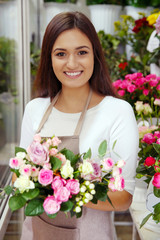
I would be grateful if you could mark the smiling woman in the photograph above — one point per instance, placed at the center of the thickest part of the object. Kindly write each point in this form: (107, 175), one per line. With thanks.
(76, 102)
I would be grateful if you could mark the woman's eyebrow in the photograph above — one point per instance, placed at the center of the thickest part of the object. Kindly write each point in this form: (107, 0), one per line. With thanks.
(63, 49)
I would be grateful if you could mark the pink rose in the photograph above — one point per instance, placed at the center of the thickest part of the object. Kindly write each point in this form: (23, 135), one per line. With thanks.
(34, 172)
(107, 164)
(119, 183)
(73, 186)
(131, 88)
(124, 84)
(61, 194)
(140, 81)
(117, 83)
(158, 141)
(121, 93)
(111, 185)
(149, 161)
(116, 171)
(25, 170)
(158, 87)
(53, 151)
(45, 177)
(97, 172)
(157, 102)
(37, 138)
(156, 134)
(38, 153)
(15, 163)
(156, 180)
(149, 138)
(56, 141)
(153, 82)
(58, 182)
(62, 158)
(51, 205)
(145, 92)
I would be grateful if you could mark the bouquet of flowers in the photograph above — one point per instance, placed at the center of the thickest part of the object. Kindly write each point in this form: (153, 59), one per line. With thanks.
(149, 165)
(49, 180)
(142, 93)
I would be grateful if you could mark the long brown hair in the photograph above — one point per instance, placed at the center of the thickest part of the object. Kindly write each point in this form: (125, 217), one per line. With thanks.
(46, 83)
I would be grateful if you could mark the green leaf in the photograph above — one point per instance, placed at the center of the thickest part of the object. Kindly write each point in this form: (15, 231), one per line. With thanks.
(52, 215)
(145, 219)
(8, 190)
(88, 154)
(19, 149)
(16, 202)
(32, 193)
(34, 207)
(156, 192)
(102, 148)
(70, 156)
(56, 163)
(101, 192)
(114, 144)
(66, 206)
(157, 147)
(157, 208)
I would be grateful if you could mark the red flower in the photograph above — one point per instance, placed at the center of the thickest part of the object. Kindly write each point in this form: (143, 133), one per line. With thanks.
(140, 23)
(123, 65)
(150, 161)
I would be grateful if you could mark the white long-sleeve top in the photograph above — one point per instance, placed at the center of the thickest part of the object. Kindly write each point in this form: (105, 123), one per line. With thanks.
(112, 119)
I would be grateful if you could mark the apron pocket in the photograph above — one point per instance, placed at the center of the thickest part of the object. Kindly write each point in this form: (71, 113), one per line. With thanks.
(43, 230)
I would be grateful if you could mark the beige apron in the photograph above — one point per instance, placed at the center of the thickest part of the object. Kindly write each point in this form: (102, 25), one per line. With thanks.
(93, 224)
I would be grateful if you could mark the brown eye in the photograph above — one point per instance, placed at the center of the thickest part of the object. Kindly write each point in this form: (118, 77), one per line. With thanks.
(60, 54)
(82, 53)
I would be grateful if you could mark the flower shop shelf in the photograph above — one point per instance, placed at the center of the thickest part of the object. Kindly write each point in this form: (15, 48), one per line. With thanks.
(137, 216)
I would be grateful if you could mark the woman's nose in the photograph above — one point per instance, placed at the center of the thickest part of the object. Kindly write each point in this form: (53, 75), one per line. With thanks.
(72, 62)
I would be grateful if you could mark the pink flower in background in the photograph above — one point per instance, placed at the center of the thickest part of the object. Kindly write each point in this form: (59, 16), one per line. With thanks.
(158, 87)
(121, 93)
(117, 83)
(15, 162)
(131, 88)
(73, 186)
(156, 134)
(62, 194)
(145, 92)
(156, 180)
(157, 101)
(157, 25)
(38, 153)
(158, 141)
(51, 205)
(140, 81)
(149, 161)
(153, 82)
(124, 84)
(58, 182)
(45, 177)
(149, 138)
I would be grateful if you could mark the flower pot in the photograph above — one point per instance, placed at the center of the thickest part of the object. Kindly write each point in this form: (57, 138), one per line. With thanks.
(103, 16)
(133, 11)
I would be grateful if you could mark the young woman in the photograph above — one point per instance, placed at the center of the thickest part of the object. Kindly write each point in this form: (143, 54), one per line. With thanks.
(76, 102)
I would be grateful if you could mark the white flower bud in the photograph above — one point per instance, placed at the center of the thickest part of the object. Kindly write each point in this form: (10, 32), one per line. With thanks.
(77, 209)
(93, 192)
(83, 189)
(86, 183)
(80, 203)
(91, 186)
(86, 200)
(77, 199)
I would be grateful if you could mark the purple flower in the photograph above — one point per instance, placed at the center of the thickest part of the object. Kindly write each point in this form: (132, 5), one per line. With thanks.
(157, 25)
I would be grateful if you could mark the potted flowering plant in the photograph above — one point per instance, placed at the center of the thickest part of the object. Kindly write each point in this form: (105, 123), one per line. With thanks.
(48, 177)
(149, 166)
(142, 92)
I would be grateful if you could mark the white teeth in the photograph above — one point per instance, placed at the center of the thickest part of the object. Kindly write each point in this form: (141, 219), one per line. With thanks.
(72, 73)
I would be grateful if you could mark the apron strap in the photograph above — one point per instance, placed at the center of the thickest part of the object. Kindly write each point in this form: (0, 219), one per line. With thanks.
(81, 119)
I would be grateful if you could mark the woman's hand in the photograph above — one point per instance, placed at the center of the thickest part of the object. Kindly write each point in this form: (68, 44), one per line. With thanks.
(121, 200)
(14, 177)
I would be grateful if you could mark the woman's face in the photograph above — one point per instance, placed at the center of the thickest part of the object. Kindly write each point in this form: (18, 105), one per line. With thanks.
(73, 58)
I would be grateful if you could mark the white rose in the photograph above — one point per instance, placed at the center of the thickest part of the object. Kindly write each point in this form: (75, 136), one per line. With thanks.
(121, 163)
(86, 168)
(139, 106)
(77, 209)
(67, 170)
(23, 183)
(147, 109)
(21, 155)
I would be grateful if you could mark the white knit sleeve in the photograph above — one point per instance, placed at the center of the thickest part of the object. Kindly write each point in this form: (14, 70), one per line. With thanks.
(125, 132)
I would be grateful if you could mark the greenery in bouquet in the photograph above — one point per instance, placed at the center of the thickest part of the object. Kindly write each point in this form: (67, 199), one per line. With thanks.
(143, 93)
(149, 164)
(136, 33)
(49, 180)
